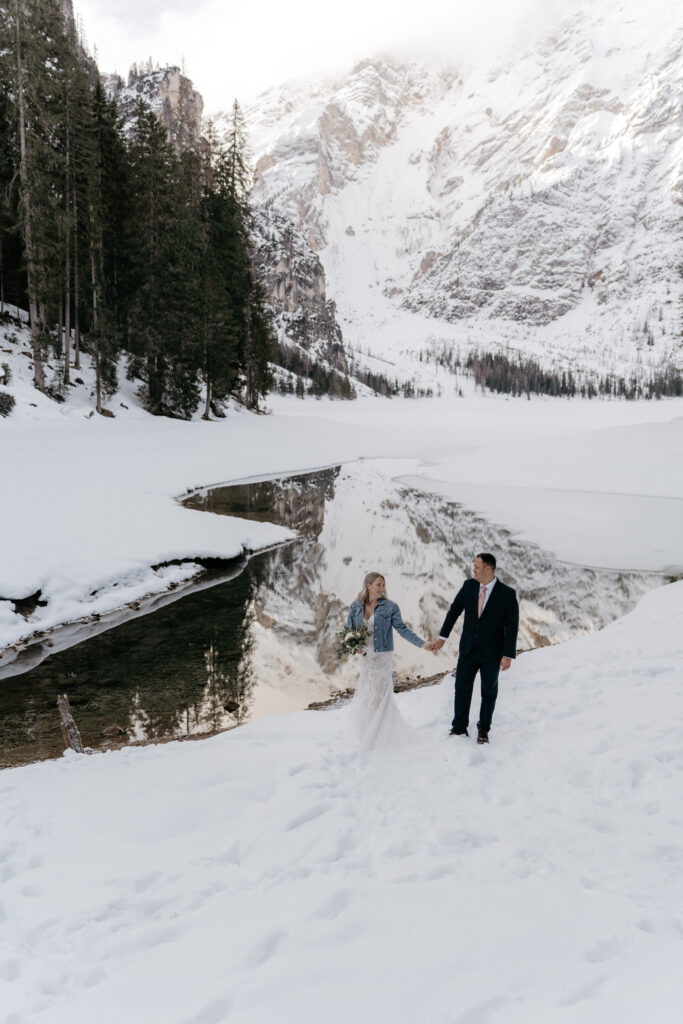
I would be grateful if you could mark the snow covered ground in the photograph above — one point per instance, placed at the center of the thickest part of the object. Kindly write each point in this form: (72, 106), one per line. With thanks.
(270, 874)
(90, 508)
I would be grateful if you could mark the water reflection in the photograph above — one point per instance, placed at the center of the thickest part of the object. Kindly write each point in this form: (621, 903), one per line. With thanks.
(165, 675)
(187, 669)
(297, 502)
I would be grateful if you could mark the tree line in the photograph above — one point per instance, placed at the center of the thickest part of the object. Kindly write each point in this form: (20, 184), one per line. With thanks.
(524, 376)
(115, 241)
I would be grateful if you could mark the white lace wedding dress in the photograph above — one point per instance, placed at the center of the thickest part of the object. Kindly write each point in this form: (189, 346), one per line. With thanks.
(375, 723)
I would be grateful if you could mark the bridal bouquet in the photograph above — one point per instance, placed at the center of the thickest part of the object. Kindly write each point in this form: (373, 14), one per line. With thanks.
(351, 641)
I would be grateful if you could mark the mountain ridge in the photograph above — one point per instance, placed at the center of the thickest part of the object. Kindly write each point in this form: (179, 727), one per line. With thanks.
(532, 204)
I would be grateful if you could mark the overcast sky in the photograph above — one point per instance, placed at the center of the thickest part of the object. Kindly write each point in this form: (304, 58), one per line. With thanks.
(239, 48)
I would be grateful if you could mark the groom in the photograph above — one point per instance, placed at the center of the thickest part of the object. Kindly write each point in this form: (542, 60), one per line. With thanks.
(487, 645)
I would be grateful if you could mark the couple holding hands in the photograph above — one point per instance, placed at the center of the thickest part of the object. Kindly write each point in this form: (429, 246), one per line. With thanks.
(487, 645)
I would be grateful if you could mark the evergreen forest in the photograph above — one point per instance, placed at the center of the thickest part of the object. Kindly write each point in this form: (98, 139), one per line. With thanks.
(118, 242)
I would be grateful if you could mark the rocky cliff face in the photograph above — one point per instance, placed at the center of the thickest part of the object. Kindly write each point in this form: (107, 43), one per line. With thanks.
(170, 94)
(534, 201)
(294, 280)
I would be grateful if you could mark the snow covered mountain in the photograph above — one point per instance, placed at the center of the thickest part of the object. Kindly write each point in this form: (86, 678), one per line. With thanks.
(531, 202)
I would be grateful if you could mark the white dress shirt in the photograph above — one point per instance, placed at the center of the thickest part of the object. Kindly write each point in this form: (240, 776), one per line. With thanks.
(488, 587)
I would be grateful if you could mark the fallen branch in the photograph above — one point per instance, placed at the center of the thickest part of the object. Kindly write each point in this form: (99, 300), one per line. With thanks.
(70, 733)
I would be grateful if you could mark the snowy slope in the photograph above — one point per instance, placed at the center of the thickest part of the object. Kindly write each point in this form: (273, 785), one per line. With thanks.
(532, 201)
(270, 874)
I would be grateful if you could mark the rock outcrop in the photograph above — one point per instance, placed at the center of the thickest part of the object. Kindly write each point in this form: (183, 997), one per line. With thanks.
(294, 280)
(170, 94)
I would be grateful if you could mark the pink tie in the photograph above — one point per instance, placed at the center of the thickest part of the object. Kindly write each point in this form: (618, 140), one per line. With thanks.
(482, 595)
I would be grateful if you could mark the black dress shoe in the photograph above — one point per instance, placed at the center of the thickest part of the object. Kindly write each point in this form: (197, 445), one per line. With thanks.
(482, 735)
(454, 733)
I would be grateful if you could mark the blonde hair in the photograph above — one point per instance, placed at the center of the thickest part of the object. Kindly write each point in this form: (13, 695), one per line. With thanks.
(364, 596)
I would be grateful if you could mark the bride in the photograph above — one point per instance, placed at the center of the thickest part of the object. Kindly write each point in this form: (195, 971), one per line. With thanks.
(375, 721)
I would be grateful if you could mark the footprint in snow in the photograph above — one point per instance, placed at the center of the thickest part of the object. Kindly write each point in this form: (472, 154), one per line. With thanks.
(145, 882)
(579, 995)
(214, 1012)
(483, 1013)
(333, 907)
(309, 815)
(266, 949)
(602, 951)
(54, 986)
(10, 970)
(93, 978)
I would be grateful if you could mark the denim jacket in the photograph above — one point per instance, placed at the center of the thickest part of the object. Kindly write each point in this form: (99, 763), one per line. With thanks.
(387, 615)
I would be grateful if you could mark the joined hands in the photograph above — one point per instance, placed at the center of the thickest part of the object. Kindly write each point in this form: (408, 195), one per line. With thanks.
(434, 645)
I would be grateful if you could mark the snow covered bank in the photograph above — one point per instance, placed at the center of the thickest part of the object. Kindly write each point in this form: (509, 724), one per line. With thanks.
(270, 874)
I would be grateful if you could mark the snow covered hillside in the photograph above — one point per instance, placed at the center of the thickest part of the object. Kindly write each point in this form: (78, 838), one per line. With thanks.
(532, 201)
(270, 874)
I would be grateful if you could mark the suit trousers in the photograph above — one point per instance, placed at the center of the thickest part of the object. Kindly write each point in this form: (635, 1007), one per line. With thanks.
(467, 668)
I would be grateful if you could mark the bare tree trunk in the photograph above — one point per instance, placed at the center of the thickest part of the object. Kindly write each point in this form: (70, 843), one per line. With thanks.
(98, 379)
(67, 317)
(25, 194)
(252, 390)
(98, 374)
(70, 733)
(207, 407)
(60, 321)
(67, 260)
(77, 329)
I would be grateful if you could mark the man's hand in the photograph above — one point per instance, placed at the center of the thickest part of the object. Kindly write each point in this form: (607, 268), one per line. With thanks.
(434, 645)
(505, 663)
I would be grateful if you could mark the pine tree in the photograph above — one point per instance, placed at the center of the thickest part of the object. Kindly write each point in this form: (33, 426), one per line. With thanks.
(164, 248)
(12, 280)
(255, 336)
(32, 31)
(237, 173)
(223, 279)
(151, 162)
(105, 205)
(259, 346)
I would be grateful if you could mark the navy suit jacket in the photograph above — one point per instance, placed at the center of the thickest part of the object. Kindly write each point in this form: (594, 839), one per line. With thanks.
(494, 635)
